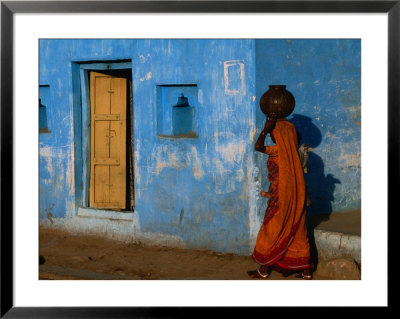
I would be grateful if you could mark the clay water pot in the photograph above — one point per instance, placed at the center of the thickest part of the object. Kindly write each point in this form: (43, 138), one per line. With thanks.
(277, 100)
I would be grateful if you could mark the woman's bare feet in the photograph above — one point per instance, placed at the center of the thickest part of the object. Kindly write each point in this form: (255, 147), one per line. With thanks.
(261, 273)
(305, 274)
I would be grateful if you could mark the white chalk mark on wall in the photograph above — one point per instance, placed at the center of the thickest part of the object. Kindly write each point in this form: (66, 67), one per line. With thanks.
(198, 172)
(147, 77)
(200, 96)
(234, 77)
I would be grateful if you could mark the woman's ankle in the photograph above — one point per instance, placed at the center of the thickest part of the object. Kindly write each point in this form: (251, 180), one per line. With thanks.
(264, 269)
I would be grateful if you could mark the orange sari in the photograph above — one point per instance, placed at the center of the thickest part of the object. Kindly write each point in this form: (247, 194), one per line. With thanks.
(282, 241)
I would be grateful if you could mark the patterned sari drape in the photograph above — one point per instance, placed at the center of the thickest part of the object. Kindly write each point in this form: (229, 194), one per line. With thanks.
(282, 240)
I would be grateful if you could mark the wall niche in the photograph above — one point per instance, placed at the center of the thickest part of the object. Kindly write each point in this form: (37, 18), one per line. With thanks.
(176, 105)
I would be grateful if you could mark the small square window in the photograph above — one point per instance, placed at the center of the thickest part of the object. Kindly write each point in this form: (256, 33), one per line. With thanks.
(176, 110)
(44, 101)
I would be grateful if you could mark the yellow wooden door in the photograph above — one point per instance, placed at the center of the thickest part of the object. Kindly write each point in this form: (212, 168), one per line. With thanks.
(108, 141)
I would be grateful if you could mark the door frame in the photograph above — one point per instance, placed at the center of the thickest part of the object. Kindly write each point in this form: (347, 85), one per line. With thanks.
(82, 123)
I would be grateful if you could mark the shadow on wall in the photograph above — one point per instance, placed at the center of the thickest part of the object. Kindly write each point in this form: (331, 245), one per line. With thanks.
(320, 187)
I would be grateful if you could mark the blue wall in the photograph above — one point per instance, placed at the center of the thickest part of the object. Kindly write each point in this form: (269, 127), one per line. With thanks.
(325, 78)
(195, 188)
(203, 187)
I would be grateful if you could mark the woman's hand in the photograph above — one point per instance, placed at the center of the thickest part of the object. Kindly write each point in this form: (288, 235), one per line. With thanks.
(265, 194)
(270, 123)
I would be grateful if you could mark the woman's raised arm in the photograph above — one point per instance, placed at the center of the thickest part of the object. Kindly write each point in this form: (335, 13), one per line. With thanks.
(268, 127)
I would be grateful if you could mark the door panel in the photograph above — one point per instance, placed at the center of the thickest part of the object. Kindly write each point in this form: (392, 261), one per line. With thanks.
(102, 95)
(101, 141)
(108, 141)
(101, 177)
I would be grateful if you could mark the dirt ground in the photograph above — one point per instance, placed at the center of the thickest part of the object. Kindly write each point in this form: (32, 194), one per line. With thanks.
(73, 257)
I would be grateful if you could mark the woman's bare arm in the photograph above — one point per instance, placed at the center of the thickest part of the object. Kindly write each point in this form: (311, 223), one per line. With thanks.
(268, 127)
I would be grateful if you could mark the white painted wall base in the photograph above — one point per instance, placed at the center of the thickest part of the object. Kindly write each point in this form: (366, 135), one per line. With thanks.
(113, 225)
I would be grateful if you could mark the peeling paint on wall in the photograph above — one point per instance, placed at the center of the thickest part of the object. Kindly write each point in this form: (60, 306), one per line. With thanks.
(198, 172)
(349, 156)
(253, 133)
(355, 114)
(232, 152)
(147, 77)
(57, 179)
(254, 190)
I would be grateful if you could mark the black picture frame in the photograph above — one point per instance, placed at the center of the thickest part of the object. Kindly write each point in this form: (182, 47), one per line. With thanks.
(9, 8)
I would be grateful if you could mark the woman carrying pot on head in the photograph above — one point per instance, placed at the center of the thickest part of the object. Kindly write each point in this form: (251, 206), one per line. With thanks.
(282, 242)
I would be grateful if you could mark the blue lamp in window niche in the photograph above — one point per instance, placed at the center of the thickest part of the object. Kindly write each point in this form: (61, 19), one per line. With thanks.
(182, 101)
(42, 117)
(182, 116)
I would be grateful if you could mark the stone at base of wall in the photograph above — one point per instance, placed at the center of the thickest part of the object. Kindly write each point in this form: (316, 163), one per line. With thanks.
(337, 245)
(339, 269)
